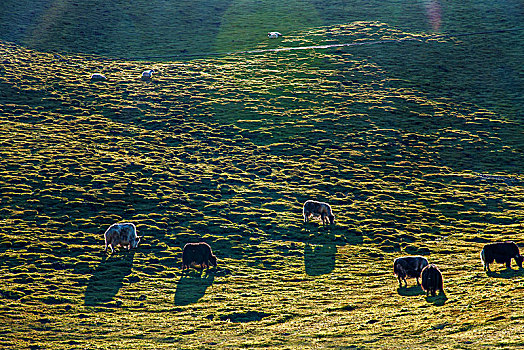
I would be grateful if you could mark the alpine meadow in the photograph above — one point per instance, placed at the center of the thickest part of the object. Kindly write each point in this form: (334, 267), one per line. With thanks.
(401, 122)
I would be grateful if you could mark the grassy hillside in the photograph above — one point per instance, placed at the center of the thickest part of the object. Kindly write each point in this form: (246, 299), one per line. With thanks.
(417, 145)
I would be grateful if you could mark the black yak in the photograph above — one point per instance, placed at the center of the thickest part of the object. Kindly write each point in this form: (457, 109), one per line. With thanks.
(432, 280)
(502, 253)
(318, 209)
(409, 266)
(198, 254)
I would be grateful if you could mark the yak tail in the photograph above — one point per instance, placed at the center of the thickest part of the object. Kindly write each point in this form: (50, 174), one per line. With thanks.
(483, 257)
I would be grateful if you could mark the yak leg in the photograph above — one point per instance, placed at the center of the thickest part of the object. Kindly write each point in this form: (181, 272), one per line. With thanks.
(109, 243)
(400, 279)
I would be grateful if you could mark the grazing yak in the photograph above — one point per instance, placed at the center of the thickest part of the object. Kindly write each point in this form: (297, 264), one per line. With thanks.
(123, 234)
(501, 252)
(318, 209)
(409, 266)
(198, 254)
(432, 280)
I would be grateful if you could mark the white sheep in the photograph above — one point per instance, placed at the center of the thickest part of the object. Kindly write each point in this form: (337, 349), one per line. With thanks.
(273, 35)
(148, 74)
(98, 77)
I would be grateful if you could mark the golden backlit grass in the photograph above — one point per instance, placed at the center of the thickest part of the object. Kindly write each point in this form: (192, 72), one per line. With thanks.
(227, 149)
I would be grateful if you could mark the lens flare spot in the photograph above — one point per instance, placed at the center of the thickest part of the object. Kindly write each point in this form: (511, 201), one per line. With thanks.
(433, 13)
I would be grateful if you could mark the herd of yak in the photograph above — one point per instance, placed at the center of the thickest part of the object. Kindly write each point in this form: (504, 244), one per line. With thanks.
(200, 254)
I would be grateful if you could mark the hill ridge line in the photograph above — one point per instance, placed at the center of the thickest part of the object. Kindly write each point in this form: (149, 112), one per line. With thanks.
(312, 47)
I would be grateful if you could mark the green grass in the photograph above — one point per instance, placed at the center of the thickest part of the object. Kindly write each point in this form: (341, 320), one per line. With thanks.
(417, 145)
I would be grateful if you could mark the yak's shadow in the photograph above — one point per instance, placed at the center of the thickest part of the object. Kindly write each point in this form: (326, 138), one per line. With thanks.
(315, 233)
(192, 286)
(319, 260)
(506, 273)
(437, 300)
(108, 278)
(410, 291)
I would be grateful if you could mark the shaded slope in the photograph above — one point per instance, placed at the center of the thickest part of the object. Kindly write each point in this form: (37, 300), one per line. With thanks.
(139, 28)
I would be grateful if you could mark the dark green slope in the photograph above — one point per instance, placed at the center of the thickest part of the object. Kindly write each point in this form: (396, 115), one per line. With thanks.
(138, 28)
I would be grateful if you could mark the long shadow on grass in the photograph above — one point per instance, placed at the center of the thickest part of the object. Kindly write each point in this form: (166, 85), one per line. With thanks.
(321, 249)
(507, 273)
(108, 278)
(192, 286)
(437, 300)
(320, 259)
(410, 291)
